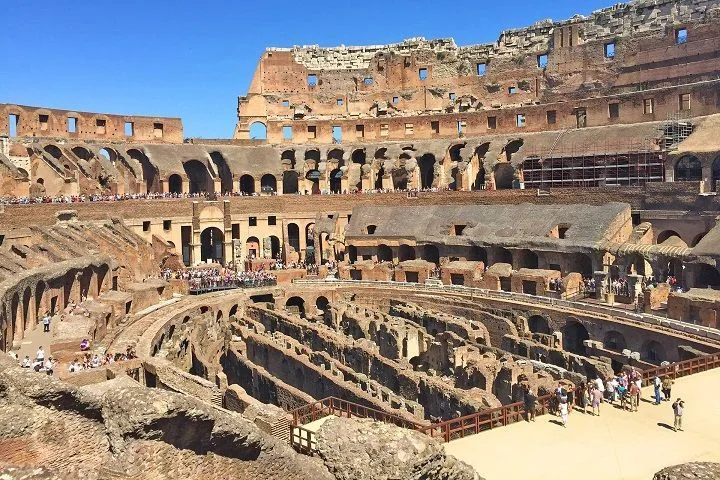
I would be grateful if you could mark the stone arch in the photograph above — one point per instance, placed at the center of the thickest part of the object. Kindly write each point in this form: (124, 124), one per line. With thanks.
(503, 255)
(526, 258)
(614, 341)
(697, 239)
(652, 351)
(258, 131)
(384, 253)
(574, 334)
(199, 177)
(478, 254)
(336, 180)
(336, 155)
(175, 184)
(406, 252)
(274, 247)
(358, 156)
(400, 178)
(352, 253)
(233, 311)
(294, 236)
(666, 235)
(296, 304)
(82, 153)
(290, 181)
(430, 253)
(223, 169)
(150, 172)
(108, 153)
(322, 303)
(247, 184)
(268, 183)
(480, 152)
(252, 247)
(512, 148)
(312, 158)
(287, 157)
(54, 151)
(688, 169)
(539, 324)
(504, 175)
(211, 245)
(314, 177)
(706, 275)
(426, 163)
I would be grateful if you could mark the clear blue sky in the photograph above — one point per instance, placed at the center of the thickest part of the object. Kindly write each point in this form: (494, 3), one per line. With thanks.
(191, 59)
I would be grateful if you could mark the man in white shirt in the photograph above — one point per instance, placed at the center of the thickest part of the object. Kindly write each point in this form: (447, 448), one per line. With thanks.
(40, 355)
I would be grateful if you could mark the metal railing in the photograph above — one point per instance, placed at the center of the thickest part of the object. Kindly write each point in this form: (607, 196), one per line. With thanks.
(344, 408)
(232, 286)
(644, 318)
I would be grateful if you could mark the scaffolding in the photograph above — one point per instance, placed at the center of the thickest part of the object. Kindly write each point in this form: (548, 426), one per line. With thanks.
(597, 165)
(675, 129)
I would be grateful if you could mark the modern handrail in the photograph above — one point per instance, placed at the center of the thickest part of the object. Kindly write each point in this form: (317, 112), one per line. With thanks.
(345, 408)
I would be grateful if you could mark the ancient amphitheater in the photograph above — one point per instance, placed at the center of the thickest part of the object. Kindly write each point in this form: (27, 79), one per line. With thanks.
(398, 243)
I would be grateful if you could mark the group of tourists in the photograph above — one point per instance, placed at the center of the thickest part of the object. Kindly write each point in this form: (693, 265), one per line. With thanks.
(39, 363)
(623, 390)
(89, 361)
(221, 277)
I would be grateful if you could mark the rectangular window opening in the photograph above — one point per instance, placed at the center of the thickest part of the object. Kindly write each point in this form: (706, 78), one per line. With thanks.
(13, 121)
(395, 99)
(452, 96)
(129, 129)
(252, 221)
(520, 120)
(146, 226)
(158, 130)
(312, 132)
(423, 74)
(368, 80)
(492, 123)
(43, 121)
(384, 130)
(337, 133)
(458, 229)
(360, 131)
(236, 231)
(461, 126)
(312, 80)
(480, 69)
(551, 116)
(581, 117)
(648, 106)
(167, 224)
(512, 90)
(340, 102)
(681, 35)
(610, 50)
(435, 127)
(100, 126)
(684, 101)
(287, 132)
(409, 128)
(542, 60)
(614, 110)
(286, 103)
(272, 220)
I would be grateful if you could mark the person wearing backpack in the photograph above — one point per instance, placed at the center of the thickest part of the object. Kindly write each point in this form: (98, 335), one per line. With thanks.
(657, 383)
(678, 407)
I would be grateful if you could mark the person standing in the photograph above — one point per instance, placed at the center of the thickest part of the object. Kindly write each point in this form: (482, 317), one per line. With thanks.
(530, 401)
(564, 413)
(678, 409)
(46, 322)
(596, 399)
(40, 355)
(634, 396)
(657, 384)
(667, 387)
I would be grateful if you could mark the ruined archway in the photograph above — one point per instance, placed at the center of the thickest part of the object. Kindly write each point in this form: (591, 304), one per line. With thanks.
(688, 169)
(384, 253)
(258, 131)
(294, 236)
(175, 184)
(406, 252)
(211, 245)
(198, 177)
(504, 175)
(268, 183)
(574, 334)
(666, 235)
(336, 180)
(290, 181)
(652, 351)
(430, 253)
(247, 184)
(314, 177)
(221, 166)
(427, 170)
(614, 341)
(539, 324)
(295, 305)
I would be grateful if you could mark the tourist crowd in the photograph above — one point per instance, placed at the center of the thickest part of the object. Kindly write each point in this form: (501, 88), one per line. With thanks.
(87, 361)
(221, 277)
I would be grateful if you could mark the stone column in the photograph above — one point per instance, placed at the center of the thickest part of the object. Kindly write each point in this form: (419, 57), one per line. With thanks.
(635, 286)
(279, 184)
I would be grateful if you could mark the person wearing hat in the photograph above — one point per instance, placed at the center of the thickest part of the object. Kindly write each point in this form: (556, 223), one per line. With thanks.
(678, 407)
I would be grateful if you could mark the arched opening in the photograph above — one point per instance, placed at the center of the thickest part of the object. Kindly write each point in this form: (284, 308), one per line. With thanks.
(336, 181)
(294, 236)
(583, 265)
(268, 183)
(358, 156)
(503, 255)
(82, 153)
(614, 341)
(384, 253)
(504, 174)
(400, 178)
(574, 334)
(312, 159)
(150, 171)
(310, 242)
(697, 239)
(274, 247)
(296, 305)
(406, 252)
(233, 311)
(477, 254)
(221, 166)
(526, 259)
(108, 153)
(290, 182)
(336, 156)
(247, 184)
(252, 247)
(653, 352)
(258, 131)
(198, 177)
(539, 324)
(54, 151)
(314, 177)
(427, 170)
(716, 174)
(379, 179)
(211, 245)
(688, 169)
(667, 235)
(430, 253)
(706, 275)
(287, 157)
(454, 175)
(175, 184)
(352, 253)
(322, 303)
(512, 148)
(480, 152)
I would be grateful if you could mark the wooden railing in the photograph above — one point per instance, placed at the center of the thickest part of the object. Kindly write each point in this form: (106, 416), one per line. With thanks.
(684, 368)
(343, 408)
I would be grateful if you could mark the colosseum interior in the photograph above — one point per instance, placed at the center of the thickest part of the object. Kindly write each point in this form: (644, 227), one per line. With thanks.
(438, 229)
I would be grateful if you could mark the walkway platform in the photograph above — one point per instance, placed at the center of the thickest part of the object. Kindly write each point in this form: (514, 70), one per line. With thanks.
(617, 445)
